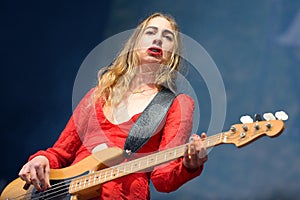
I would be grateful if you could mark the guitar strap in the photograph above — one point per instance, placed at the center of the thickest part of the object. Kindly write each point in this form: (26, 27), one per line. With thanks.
(148, 122)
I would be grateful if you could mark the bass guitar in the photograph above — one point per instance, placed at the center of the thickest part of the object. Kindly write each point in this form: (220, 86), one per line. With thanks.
(83, 180)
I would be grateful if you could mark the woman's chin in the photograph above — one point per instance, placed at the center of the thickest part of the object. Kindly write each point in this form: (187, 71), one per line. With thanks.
(151, 60)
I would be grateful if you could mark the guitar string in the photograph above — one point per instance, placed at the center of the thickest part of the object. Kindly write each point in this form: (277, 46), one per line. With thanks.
(46, 195)
(66, 183)
(53, 188)
(48, 198)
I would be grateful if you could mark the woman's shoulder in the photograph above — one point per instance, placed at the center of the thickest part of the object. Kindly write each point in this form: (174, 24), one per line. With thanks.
(183, 101)
(184, 97)
(87, 99)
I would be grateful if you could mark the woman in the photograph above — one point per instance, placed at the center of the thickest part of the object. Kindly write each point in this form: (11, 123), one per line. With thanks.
(147, 64)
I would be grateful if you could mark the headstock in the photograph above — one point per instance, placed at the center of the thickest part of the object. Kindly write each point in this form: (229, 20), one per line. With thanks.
(249, 131)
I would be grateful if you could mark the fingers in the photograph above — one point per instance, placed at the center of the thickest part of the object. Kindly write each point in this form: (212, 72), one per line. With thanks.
(24, 174)
(29, 175)
(36, 172)
(191, 151)
(42, 176)
(34, 177)
(195, 154)
(202, 152)
(197, 144)
(47, 177)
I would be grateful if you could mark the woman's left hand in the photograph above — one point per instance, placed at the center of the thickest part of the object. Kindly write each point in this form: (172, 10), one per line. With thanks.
(195, 154)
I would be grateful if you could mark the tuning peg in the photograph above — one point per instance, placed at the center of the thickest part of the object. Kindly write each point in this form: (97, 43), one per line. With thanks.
(246, 119)
(257, 117)
(281, 115)
(269, 116)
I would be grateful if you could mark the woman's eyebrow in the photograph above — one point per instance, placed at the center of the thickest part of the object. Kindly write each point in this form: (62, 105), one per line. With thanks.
(169, 32)
(164, 31)
(151, 27)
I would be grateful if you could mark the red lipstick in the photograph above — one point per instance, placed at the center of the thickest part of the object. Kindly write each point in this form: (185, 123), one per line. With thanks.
(155, 51)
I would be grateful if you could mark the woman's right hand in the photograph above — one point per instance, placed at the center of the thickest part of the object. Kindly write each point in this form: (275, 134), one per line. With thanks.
(36, 172)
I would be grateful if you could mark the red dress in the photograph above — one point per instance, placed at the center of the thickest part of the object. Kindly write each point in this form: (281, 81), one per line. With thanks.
(88, 127)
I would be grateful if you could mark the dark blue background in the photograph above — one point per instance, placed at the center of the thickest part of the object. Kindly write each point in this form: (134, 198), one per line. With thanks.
(255, 45)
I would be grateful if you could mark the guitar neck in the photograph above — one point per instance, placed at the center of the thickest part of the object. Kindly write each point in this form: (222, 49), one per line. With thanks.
(140, 164)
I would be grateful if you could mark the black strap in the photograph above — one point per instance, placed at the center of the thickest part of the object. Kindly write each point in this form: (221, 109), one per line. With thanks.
(149, 121)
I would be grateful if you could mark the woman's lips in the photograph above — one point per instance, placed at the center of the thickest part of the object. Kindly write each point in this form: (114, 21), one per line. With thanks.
(154, 51)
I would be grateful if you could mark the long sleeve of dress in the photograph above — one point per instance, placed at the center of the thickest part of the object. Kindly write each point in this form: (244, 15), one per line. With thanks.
(63, 152)
(171, 176)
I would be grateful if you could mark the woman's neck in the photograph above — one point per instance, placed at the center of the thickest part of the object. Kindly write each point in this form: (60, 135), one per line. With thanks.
(145, 77)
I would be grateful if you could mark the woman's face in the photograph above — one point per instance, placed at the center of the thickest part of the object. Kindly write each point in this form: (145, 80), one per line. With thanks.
(157, 42)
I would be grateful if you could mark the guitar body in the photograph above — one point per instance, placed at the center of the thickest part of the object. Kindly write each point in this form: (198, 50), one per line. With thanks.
(15, 191)
(61, 178)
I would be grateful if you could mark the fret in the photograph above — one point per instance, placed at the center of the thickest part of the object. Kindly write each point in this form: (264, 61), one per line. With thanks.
(95, 178)
(79, 183)
(76, 185)
(105, 175)
(135, 166)
(107, 170)
(84, 181)
(125, 171)
(100, 177)
(129, 168)
(118, 171)
(72, 186)
(111, 173)
(89, 182)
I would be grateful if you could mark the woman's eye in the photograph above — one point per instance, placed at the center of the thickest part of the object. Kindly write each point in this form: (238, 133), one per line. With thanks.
(149, 32)
(170, 38)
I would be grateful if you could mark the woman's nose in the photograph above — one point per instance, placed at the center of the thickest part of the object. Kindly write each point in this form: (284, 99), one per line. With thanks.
(157, 41)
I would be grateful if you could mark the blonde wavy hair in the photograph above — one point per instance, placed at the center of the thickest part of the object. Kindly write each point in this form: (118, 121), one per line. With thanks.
(114, 80)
